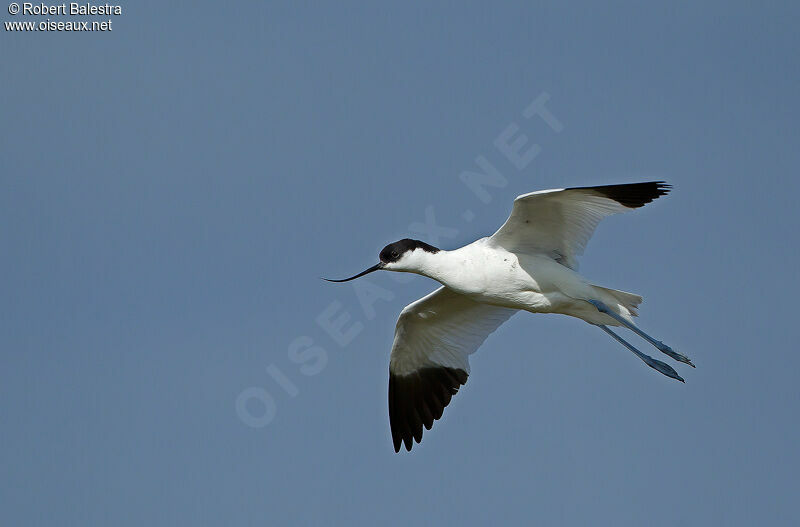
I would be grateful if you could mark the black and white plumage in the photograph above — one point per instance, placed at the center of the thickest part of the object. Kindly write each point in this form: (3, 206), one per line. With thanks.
(529, 264)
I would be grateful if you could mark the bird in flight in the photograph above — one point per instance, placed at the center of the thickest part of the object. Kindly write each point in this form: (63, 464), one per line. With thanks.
(529, 264)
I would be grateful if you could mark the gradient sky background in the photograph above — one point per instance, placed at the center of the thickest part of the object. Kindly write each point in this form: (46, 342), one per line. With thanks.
(171, 192)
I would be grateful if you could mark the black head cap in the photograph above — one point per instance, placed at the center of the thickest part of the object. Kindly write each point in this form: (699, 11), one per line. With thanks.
(394, 251)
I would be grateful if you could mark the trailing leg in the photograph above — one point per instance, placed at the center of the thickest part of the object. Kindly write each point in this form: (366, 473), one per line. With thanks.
(663, 348)
(661, 367)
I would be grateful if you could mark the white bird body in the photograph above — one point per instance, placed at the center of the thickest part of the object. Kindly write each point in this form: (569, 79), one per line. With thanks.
(530, 282)
(529, 264)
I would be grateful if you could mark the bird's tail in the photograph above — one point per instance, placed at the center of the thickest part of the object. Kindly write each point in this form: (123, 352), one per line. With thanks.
(627, 300)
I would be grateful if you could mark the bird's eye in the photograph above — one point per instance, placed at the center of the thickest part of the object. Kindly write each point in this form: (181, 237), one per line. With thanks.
(394, 254)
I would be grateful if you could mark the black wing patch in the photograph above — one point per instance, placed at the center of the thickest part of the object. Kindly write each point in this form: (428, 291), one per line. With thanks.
(631, 195)
(418, 399)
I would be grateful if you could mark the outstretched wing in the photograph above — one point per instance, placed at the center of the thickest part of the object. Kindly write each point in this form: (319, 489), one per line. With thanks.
(430, 357)
(561, 221)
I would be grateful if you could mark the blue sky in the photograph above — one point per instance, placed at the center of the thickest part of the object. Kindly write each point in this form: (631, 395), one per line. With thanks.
(171, 191)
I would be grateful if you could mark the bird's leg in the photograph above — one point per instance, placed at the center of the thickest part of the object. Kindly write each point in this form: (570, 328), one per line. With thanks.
(663, 348)
(662, 367)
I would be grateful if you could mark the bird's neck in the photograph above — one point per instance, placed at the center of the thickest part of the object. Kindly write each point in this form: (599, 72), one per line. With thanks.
(441, 266)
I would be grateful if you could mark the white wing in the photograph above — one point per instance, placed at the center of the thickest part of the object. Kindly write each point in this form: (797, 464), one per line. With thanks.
(429, 362)
(560, 222)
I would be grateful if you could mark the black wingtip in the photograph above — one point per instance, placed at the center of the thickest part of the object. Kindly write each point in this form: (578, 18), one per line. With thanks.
(419, 398)
(632, 195)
